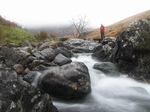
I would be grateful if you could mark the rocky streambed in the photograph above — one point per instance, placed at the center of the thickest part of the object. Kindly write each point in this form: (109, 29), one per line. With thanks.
(58, 76)
(22, 63)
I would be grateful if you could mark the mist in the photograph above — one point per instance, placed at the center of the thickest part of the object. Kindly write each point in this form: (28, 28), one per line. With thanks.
(59, 30)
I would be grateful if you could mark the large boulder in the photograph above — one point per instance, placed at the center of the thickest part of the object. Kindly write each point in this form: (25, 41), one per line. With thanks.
(17, 95)
(131, 51)
(68, 81)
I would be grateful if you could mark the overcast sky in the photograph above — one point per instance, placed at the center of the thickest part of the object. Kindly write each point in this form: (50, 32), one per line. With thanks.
(57, 12)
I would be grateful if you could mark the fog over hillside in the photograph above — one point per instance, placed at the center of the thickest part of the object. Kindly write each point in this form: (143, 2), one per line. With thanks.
(60, 31)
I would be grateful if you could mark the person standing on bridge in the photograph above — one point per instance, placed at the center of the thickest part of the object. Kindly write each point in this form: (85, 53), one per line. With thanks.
(102, 31)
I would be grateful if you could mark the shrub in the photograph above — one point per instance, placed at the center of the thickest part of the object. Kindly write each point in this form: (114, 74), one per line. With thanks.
(53, 35)
(42, 35)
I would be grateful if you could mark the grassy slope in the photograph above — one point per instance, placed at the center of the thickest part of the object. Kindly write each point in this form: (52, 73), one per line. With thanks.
(116, 28)
(11, 32)
(14, 34)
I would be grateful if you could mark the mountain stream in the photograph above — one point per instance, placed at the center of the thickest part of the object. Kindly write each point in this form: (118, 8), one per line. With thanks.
(109, 94)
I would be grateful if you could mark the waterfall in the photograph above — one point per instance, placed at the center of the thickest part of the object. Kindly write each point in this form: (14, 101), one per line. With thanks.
(109, 94)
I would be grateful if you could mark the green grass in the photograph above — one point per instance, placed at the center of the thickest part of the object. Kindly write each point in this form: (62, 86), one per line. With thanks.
(13, 34)
(10, 32)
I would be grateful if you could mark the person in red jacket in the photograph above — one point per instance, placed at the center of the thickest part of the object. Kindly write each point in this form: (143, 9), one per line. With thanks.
(102, 31)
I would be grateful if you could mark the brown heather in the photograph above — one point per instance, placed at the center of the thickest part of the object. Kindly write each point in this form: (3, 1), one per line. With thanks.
(116, 28)
(7, 22)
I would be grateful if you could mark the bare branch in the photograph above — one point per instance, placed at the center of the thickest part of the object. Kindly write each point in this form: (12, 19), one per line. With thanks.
(78, 26)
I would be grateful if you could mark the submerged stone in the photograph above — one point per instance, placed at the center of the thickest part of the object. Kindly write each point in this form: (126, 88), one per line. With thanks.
(108, 68)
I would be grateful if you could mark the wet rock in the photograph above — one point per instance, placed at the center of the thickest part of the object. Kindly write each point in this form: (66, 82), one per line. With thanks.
(30, 76)
(13, 57)
(77, 45)
(105, 51)
(17, 95)
(48, 53)
(68, 81)
(38, 55)
(49, 44)
(39, 67)
(74, 41)
(60, 44)
(25, 51)
(26, 44)
(103, 54)
(37, 63)
(64, 51)
(62, 60)
(107, 40)
(124, 53)
(34, 44)
(12, 45)
(18, 68)
(108, 68)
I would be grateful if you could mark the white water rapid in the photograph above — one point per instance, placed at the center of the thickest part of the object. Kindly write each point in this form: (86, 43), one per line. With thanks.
(108, 94)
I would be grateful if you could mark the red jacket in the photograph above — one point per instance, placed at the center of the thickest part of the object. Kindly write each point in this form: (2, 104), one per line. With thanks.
(102, 28)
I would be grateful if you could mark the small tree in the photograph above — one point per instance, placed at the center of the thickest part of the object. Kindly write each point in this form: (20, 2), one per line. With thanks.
(78, 26)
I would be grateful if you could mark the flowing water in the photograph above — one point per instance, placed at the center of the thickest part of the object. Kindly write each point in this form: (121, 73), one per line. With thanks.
(108, 94)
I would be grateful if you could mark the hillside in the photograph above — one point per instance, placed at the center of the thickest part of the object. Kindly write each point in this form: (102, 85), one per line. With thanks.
(116, 28)
(11, 32)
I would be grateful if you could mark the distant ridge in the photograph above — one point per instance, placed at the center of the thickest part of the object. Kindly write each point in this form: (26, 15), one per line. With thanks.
(116, 28)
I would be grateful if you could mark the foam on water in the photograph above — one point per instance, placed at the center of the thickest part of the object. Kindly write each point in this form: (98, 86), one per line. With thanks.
(109, 94)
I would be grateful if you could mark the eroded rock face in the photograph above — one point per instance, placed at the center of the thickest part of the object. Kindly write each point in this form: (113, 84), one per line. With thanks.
(68, 81)
(124, 53)
(105, 51)
(17, 95)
